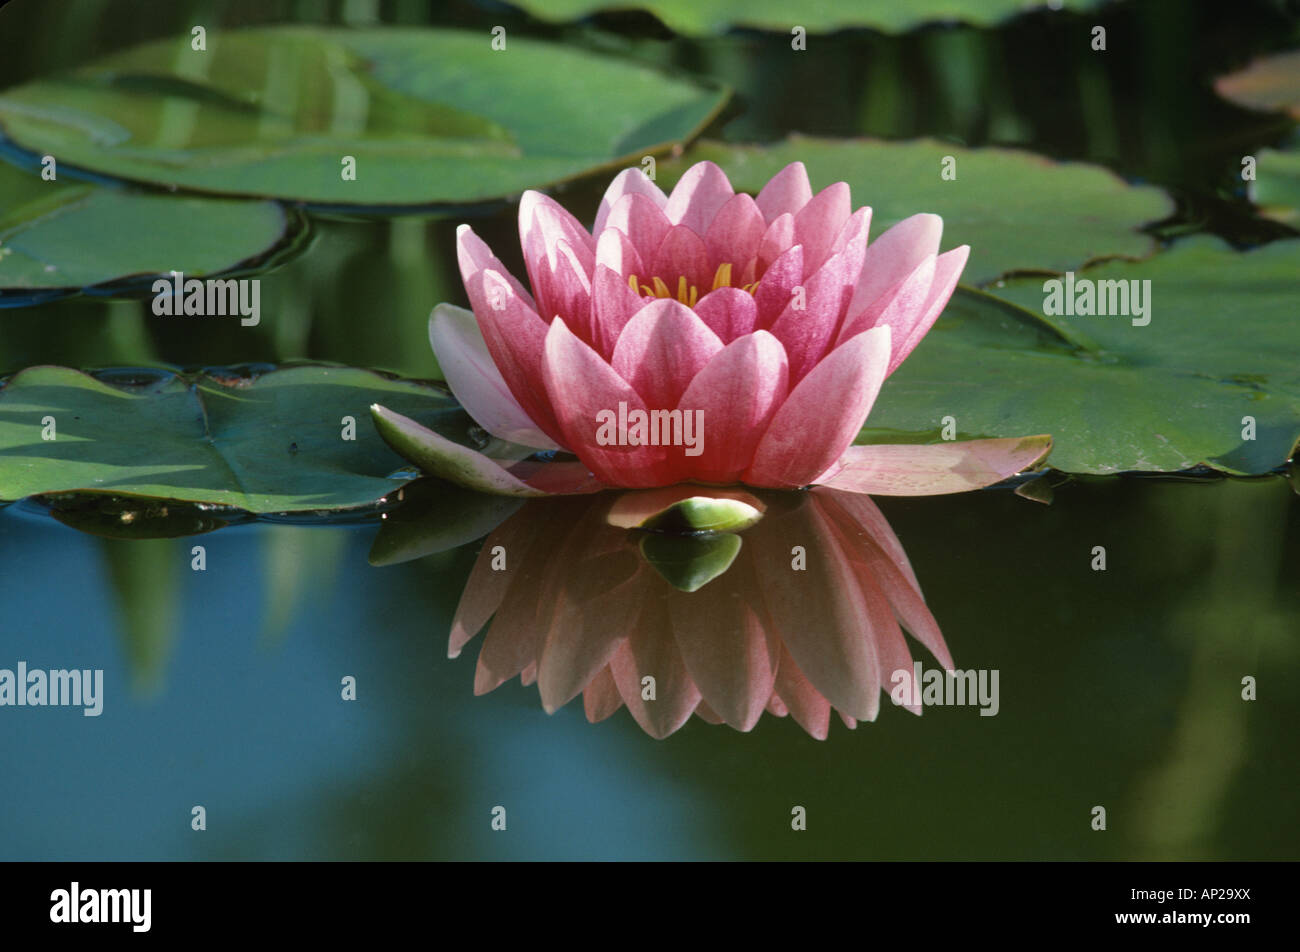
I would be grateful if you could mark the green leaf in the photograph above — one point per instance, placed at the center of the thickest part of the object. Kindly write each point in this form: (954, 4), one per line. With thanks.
(1277, 185)
(689, 562)
(430, 116)
(1269, 84)
(274, 443)
(436, 516)
(60, 236)
(686, 508)
(1017, 211)
(702, 17)
(1175, 393)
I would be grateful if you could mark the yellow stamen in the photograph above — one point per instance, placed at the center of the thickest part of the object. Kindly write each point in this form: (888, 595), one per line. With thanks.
(722, 278)
(687, 294)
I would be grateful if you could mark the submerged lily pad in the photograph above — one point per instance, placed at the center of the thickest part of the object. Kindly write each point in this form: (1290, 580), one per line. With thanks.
(429, 116)
(702, 17)
(1017, 211)
(275, 443)
(61, 237)
(1212, 379)
(1270, 83)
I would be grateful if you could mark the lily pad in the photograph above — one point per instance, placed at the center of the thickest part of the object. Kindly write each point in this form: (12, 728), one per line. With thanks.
(278, 442)
(59, 237)
(430, 116)
(1212, 379)
(1017, 210)
(702, 17)
(1277, 185)
(1269, 84)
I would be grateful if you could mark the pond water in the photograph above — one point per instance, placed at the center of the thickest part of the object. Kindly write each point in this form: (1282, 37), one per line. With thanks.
(1142, 630)
(1119, 688)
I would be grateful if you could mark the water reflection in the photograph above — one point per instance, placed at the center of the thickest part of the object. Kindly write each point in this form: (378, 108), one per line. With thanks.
(801, 613)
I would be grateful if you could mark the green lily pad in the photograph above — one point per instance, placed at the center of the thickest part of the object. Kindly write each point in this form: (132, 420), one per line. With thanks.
(62, 237)
(1277, 185)
(702, 17)
(274, 443)
(1017, 211)
(430, 116)
(1269, 84)
(1167, 396)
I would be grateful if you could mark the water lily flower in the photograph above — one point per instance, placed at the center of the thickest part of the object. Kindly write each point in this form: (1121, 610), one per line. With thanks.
(702, 336)
(586, 605)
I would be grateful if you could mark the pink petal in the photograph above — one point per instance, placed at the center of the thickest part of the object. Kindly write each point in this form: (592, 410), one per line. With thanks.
(805, 703)
(908, 333)
(708, 714)
(868, 518)
(818, 224)
(821, 615)
(730, 312)
(661, 350)
(474, 256)
(895, 255)
(807, 332)
(515, 336)
(650, 650)
(822, 414)
(776, 241)
(564, 289)
(785, 193)
(903, 595)
(627, 182)
(730, 654)
(475, 380)
(582, 385)
(699, 194)
(735, 233)
(616, 252)
(682, 254)
(543, 222)
(554, 478)
(738, 392)
(601, 698)
(613, 303)
(896, 308)
(776, 289)
(598, 599)
(643, 222)
(934, 469)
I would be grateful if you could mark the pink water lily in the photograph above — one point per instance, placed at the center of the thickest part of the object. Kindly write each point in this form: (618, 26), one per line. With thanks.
(579, 609)
(703, 336)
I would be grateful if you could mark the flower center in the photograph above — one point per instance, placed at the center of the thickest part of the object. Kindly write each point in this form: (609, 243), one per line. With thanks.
(687, 293)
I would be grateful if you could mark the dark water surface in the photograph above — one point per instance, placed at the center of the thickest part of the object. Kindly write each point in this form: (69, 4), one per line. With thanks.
(1119, 688)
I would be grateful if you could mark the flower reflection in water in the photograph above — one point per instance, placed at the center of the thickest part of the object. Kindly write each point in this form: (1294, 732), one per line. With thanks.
(798, 613)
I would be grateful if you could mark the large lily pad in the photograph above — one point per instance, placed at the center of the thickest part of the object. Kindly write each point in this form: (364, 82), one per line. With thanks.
(1017, 211)
(1221, 346)
(430, 116)
(59, 236)
(702, 17)
(272, 443)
